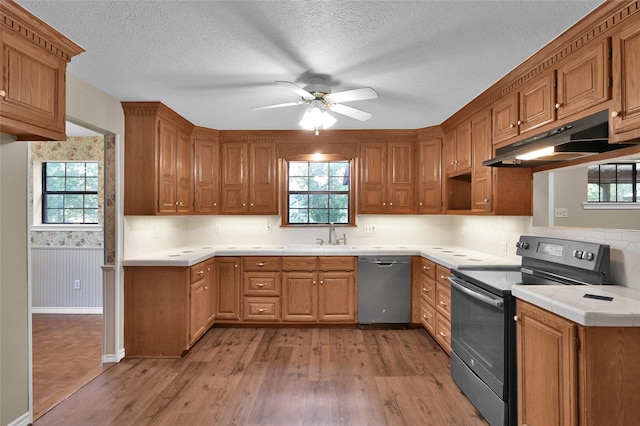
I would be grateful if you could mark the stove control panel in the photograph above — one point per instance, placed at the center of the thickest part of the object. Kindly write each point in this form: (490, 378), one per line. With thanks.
(579, 254)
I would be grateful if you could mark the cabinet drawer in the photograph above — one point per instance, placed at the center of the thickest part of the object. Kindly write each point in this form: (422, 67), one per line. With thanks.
(262, 283)
(198, 271)
(443, 299)
(259, 263)
(299, 263)
(443, 332)
(261, 309)
(428, 268)
(336, 263)
(442, 274)
(428, 290)
(428, 317)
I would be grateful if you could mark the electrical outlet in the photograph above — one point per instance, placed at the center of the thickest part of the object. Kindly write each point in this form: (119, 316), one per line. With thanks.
(76, 284)
(561, 212)
(369, 229)
(503, 248)
(269, 228)
(155, 232)
(217, 229)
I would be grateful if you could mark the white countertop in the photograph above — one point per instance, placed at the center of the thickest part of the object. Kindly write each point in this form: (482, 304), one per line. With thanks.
(569, 302)
(448, 256)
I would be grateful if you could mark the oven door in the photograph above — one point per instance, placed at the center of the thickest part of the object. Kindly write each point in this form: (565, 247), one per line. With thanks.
(478, 333)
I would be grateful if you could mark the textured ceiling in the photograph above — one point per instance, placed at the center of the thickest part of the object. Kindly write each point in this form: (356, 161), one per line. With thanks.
(211, 61)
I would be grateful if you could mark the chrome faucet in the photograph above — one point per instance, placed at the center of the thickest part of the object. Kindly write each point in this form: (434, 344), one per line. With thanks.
(332, 233)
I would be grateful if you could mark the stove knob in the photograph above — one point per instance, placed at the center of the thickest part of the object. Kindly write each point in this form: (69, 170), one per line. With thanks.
(588, 255)
(578, 254)
(523, 245)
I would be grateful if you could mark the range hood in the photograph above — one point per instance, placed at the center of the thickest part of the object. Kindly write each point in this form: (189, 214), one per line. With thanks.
(581, 138)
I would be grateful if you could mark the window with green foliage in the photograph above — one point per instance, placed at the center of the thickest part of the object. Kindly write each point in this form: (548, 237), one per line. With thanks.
(318, 192)
(70, 192)
(613, 183)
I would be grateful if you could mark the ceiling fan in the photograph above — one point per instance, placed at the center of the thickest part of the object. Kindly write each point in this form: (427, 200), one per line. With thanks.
(319, 100)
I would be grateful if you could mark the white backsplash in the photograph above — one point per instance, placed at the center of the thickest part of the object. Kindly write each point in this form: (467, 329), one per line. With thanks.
(495, 235)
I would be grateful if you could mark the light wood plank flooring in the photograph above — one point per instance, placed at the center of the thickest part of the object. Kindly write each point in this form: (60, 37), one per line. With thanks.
(67, 354)
(279, 376)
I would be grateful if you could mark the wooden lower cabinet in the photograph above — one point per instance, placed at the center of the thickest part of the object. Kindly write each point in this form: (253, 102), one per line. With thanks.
(261, 289)
(167, 309)
(432, 289)
(228, 288)
(319, 289)
(569, 374)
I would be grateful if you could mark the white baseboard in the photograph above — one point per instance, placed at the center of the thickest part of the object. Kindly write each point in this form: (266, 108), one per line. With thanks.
(72, 310)
(23, 420)
(108, 358)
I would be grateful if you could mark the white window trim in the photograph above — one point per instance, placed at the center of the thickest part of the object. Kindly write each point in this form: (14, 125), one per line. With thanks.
(610, 206)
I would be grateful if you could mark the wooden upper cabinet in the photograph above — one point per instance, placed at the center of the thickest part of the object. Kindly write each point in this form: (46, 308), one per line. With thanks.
(532, 106)
(481, 176)
(387, 181)
(33, 60)
(626, 63)
(429, 178)
(583, 79)
(457, 150)
(206, 171)
(249, 179)
(158, 160)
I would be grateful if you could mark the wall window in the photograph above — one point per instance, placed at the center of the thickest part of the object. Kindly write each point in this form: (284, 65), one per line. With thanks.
(318, 192)
(613, 183)
(70, 192)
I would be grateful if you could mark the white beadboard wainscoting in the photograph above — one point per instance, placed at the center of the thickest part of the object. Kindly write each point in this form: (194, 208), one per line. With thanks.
(54, 270)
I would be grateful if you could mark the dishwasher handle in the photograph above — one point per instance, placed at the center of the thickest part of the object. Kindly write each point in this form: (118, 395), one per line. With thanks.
(478, 296)
(385, 264)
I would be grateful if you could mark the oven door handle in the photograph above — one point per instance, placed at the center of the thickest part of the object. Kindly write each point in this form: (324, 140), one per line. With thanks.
(478, 296)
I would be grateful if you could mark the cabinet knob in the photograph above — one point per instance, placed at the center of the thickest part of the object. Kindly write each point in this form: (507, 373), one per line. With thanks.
(208, 269)
(391, 204)
(486, 200)
(235, 266)
(511, 126)
(384, 204)
(614, 114)
(215, 204)
(421, 203)
(200, 272)
(424, 316)
(520, 122)
(321, 282)
(425, 268)
(515, 318)
(426, 290)
(3, 93)
(244, 204)
(443, 303)
(442, 334)
(558, 105)
(314, 282)
(251, 204)
(444, 277)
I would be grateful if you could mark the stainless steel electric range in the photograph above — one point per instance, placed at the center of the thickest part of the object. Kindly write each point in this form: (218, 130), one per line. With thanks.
(483, 332)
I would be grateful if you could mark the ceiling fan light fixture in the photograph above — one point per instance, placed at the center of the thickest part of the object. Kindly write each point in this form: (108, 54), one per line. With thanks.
(315, 118)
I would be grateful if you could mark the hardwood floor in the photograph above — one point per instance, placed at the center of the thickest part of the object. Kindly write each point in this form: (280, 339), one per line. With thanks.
(279, 376)
(67, 354)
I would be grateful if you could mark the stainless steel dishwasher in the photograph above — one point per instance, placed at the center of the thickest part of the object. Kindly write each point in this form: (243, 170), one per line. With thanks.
(384, 290)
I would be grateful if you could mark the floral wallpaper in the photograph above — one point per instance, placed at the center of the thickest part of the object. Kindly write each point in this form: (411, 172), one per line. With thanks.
(86, 148)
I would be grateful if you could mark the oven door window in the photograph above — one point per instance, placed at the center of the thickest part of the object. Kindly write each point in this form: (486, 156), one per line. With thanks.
(478, 333)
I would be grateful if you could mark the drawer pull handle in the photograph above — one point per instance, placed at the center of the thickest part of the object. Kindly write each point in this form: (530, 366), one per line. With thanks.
(200, 272)
(261, 310)
(442, 334)
(426, 290)
(260, 285)
(426, 268)
(442, 303)
(261, 264)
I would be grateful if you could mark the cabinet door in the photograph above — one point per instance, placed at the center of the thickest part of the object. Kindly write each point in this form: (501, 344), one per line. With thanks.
(199, 302)
(263, 187)
(583, 80)
(547, 382)
(505, 118)
(463, 147)
(373, 178)
(537, 102)
(235, 180)
(449, 154)
(401, 181)
(167, 167)
(336, 296)
(299, 296)
(212, 291)
(184, 173)
(626, 47)
(207, 176)
(228, 287)
(481, 175)
(429, 177)
(34, 86)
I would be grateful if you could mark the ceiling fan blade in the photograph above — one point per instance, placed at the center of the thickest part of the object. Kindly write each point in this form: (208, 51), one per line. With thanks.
(296, 89)
(352, 95)
(279, 105)
(350, 112)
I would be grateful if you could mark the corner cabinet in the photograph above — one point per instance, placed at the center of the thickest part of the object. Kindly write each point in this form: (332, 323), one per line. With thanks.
(249, 182)
(33, 60)
(569, 374)
(158, 169)
(387, 178)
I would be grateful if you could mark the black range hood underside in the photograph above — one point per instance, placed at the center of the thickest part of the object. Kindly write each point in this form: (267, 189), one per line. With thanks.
(581, 138)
